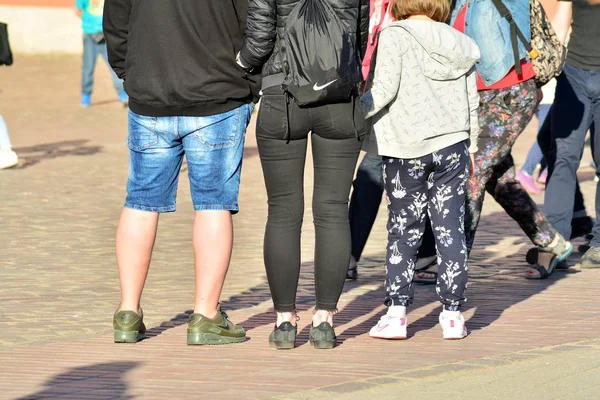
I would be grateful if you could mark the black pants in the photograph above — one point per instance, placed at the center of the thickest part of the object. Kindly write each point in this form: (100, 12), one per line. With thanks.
(433, 185)
(335, 150)
(576, 110)
(364, 205)
(544, 140)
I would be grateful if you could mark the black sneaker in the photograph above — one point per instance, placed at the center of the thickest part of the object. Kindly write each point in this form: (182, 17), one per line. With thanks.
(283, 336)
(581, 226)
(322, 336)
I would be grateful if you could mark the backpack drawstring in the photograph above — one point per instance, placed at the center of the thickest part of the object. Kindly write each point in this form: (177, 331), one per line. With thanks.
(288, 131)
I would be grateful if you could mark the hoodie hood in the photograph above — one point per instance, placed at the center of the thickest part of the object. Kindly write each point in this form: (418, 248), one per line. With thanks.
(447, 53)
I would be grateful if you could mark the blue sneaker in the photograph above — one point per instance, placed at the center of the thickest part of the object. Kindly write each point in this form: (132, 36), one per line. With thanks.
(86, 100)
(123, 98)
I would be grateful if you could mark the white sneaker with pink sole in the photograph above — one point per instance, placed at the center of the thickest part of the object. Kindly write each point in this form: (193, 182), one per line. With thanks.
(453, 325)
(390, 327)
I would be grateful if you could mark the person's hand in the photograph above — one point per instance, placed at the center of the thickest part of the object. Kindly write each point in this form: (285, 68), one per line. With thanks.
(242, 65)
(78, 12)
(540, 96)
(472, 166)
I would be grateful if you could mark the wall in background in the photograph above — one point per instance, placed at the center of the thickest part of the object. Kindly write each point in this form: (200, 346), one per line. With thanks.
(42, 26)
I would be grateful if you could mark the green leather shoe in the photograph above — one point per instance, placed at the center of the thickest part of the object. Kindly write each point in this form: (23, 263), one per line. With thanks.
(129, 326)
(220, 330)
(322, 336)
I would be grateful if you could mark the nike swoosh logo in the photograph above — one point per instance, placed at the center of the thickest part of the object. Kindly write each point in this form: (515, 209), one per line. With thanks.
(317, 87)
(380, 327)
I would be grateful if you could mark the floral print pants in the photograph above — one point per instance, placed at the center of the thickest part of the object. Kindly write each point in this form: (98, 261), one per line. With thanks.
(434, 184)
(503, 116)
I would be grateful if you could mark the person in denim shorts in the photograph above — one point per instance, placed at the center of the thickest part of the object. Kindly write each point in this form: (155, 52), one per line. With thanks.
(188, 98)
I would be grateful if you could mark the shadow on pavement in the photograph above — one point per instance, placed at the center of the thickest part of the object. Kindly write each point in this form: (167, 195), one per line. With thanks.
(254, 297)
(97, 381)
(32, 155)
(496, 283)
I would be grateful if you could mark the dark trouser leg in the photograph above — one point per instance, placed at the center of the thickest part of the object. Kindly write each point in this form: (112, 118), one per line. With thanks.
(596, 153)
(447, 212)
(544, 139)
(283, 169)
(571, 119)
(407, 195)
(365, 201)
(504, 114)
(334, 163)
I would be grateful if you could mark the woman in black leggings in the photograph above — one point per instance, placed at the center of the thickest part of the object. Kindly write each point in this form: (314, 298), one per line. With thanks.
(282, 132)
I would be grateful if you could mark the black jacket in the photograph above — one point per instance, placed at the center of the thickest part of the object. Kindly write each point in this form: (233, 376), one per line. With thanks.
(265, 30)
(177, 57)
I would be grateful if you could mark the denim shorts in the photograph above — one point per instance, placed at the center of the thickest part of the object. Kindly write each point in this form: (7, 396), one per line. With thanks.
(213, 147)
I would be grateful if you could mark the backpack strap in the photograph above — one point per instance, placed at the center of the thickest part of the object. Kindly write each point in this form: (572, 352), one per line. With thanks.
(515, 33)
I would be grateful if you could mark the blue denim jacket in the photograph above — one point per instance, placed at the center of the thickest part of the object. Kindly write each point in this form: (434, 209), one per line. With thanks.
(491, 32)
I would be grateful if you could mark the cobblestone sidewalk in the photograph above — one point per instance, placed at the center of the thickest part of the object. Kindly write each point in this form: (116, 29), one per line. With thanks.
(59, 288)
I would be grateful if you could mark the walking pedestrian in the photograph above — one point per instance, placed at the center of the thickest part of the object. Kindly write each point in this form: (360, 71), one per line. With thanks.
(576, 110)
(284, 126)
(508, 100)
(94, 44)
(423, 103)
(8, 158)
(188, 97)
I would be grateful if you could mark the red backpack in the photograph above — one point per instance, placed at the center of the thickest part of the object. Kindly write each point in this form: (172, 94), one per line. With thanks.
(374, 34)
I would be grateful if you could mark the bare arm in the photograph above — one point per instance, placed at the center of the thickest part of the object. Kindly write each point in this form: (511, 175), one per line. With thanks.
(78, 12)
(562, 19)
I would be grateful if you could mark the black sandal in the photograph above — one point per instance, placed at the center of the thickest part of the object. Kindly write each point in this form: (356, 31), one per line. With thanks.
(425, 263)
(560, 252)
(352, 274)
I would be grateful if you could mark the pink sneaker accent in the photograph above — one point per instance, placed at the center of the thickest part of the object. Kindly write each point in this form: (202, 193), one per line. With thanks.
(392, 328)
(543, 177)
(527, 182)
(453, 328)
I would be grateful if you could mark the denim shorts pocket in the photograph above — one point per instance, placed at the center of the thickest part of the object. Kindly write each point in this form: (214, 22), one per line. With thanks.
(272, 116)
(142, 132)
(219, 131)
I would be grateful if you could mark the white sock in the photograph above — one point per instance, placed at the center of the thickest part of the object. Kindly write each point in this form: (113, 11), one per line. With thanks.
(397, 311)
(451, 314)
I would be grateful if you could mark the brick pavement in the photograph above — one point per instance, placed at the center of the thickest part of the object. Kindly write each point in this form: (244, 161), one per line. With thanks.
(59, 286)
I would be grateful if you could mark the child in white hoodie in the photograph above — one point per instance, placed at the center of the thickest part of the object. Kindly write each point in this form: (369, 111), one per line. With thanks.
(422, 100)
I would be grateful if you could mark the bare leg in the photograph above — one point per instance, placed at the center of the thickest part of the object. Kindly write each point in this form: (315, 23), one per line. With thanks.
(213, 241)
(135, 240)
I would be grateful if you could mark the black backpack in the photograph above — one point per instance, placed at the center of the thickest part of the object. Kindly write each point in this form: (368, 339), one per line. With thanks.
(321, 59)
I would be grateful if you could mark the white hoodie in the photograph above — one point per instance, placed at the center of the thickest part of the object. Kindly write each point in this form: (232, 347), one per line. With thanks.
(423, 96)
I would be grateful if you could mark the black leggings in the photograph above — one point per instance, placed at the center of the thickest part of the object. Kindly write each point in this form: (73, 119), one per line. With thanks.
(335, 151)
